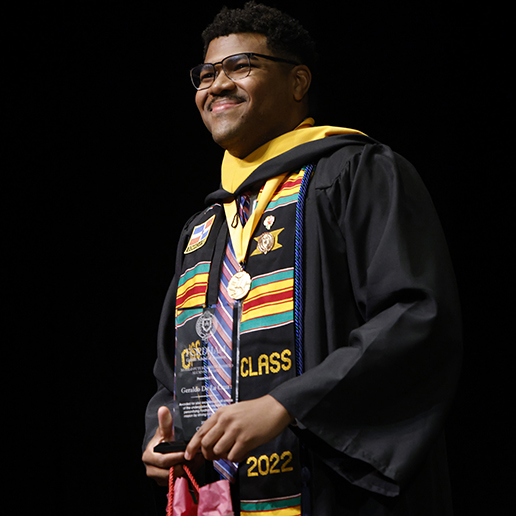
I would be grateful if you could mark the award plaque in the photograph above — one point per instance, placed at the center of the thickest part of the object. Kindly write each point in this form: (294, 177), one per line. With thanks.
(191, 405)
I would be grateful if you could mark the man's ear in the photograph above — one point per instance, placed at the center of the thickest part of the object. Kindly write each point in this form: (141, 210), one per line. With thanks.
(302, 79)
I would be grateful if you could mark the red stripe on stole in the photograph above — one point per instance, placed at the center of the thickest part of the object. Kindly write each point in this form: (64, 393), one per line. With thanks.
(267, 299)
(291, 183)
(193, 291)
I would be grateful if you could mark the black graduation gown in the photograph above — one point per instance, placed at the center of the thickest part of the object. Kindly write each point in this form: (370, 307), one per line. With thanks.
(382, 333)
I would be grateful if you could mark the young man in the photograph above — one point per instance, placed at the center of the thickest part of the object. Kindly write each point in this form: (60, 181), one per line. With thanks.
(313, 316)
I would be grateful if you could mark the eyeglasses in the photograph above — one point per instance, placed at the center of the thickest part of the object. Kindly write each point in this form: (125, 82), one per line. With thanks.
(236, 67)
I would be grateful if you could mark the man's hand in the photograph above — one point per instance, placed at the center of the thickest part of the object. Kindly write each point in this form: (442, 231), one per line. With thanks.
(233, 431)
(159, 464)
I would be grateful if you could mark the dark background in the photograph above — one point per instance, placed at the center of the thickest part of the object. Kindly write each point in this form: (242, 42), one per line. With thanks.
(110, 158)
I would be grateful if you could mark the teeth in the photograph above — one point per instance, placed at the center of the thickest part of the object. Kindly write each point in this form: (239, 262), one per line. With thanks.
(223, 104)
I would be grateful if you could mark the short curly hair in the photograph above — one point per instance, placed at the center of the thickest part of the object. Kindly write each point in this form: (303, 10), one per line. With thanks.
(285, 36)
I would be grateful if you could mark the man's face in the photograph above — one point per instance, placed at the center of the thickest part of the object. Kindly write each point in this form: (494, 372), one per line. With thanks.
(243, 115)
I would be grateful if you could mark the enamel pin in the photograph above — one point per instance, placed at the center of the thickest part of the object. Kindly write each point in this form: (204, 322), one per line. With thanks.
(199, 235)
(269, 221)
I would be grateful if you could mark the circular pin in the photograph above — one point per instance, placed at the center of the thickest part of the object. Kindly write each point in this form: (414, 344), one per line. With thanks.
(265, 242)
(239, 285)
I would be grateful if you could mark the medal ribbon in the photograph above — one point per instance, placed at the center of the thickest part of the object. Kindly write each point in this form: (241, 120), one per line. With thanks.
(241, 235)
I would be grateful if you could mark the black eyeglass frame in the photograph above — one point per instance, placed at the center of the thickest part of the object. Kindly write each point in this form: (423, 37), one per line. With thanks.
(249, 55)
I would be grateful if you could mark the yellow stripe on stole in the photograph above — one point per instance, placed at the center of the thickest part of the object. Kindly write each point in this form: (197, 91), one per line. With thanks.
(195, 298)
(263, 300)
(289, 187)
(288, 511)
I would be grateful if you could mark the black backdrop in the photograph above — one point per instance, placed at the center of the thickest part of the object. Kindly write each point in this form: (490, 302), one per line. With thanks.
(114, 158)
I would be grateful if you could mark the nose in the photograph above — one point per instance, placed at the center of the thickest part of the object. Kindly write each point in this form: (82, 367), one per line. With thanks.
(221, 83)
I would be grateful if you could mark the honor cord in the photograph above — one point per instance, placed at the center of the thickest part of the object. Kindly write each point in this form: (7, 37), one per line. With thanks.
(298, 269)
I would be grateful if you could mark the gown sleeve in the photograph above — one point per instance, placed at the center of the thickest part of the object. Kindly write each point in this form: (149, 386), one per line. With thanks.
(164, 365)
(382, 332)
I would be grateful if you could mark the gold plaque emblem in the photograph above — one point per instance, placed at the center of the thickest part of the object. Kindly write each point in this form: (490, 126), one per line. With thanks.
(266, 242)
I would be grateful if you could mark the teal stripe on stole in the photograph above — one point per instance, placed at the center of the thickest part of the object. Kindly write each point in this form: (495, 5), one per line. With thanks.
(200, 268)
(280, 202)
(267, 321)
(271, 278)
(187, 313)
(270, 505)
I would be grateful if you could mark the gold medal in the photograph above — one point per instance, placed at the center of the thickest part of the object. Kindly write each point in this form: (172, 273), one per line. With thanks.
(266, 242)
(239, 285)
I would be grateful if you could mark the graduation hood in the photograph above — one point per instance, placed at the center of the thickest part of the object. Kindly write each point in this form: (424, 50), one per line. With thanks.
(290, 161)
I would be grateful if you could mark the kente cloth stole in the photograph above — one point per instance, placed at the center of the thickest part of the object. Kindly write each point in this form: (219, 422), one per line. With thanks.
(269, 479)
(249, 347)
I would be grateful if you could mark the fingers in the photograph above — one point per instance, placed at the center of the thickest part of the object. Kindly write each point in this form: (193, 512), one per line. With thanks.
(166, 427)
(217, 442)
(216, 437)
(158, 464)
(233, 431)
(194, 446)
(219, 446)
(161, 460)
(161, 475)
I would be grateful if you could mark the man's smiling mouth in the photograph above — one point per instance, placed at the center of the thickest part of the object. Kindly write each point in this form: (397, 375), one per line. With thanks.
(219, 105)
